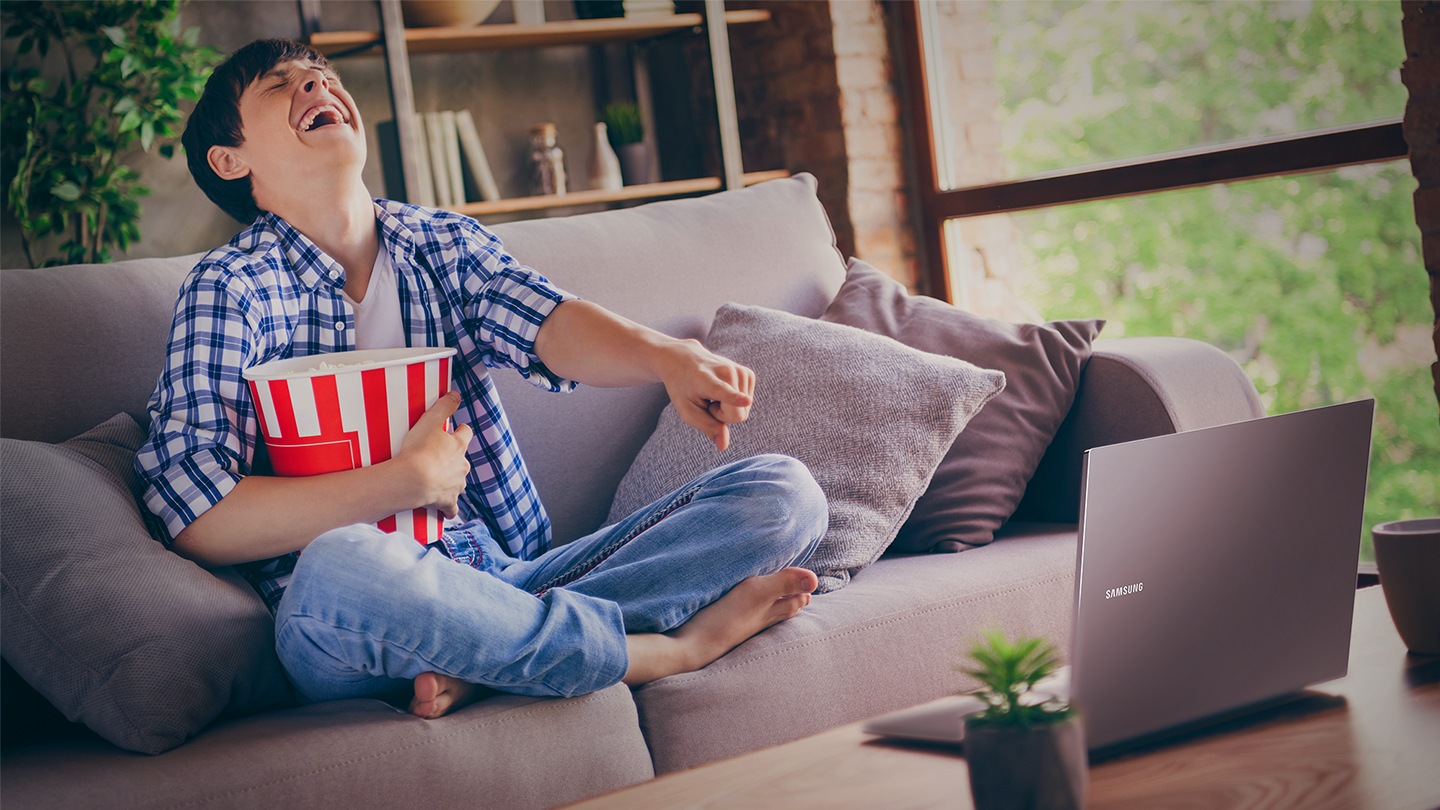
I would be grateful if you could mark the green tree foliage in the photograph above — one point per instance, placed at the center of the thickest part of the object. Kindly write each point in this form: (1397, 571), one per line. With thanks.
(1314, 282)
(125, 68)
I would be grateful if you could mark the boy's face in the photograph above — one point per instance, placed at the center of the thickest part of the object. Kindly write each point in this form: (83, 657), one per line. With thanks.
(300, 128)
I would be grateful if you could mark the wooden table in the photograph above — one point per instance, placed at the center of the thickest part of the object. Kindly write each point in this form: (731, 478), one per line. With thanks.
(1370, 740)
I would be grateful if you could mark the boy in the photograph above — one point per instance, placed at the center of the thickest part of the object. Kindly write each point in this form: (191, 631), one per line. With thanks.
(276, 141)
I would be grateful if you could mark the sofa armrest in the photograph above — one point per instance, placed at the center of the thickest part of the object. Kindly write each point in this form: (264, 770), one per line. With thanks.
(1134, 388)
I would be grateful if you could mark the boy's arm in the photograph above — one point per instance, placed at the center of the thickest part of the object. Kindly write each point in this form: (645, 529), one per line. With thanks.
(582, 341)
(196, 461)
(264, 516)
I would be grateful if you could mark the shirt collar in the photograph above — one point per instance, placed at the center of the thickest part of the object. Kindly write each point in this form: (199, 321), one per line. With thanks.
(311, 265)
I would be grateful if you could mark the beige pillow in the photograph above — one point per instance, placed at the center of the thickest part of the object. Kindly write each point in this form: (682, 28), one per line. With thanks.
(981, 480)
(118, 633)
(869, 416)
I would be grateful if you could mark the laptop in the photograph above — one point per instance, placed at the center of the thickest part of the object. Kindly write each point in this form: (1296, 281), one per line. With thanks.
(1215, 576)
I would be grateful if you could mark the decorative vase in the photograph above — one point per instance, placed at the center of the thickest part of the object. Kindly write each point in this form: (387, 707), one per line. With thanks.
(1040, 767)
(446, 13)
(634, 163)
(605, 167)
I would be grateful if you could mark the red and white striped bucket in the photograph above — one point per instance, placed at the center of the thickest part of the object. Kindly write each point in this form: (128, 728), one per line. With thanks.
(352, 412)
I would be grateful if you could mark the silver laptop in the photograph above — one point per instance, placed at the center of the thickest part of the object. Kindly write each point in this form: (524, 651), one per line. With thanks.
(1215, 575)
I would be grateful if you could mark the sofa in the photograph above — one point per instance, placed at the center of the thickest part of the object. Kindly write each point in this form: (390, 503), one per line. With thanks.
(82, 345)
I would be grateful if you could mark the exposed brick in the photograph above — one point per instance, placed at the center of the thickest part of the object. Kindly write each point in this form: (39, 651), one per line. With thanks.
(858, 73)
(784, 55)
(820, 146)
(877, 174)
(819, 45)
(871, 141)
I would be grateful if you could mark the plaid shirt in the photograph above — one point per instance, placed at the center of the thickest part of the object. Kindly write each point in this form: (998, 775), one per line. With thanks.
(271, 294)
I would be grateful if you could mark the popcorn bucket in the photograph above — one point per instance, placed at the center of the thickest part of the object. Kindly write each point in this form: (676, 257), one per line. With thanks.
(330, 412)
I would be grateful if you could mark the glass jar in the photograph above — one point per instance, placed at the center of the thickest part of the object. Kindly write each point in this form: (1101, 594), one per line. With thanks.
(547, 161)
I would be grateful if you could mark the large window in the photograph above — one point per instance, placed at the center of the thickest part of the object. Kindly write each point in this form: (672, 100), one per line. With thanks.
(1225, 171)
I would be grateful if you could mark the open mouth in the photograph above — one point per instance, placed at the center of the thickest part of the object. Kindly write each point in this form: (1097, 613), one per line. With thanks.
(322, 116)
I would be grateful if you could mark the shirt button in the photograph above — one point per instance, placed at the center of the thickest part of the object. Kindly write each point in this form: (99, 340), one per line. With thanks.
(339, 326)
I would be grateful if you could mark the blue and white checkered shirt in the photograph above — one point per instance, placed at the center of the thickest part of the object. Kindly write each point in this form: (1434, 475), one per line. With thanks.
(271, 294)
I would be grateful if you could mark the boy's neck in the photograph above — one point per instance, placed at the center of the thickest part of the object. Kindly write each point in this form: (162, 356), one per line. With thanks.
(345, 229)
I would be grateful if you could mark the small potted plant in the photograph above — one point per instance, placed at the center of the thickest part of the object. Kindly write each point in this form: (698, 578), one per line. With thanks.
(627, 134)
(1026, 749)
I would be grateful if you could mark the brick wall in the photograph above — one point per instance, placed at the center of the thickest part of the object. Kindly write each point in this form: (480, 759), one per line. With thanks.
(1421, 74)
(816, 92)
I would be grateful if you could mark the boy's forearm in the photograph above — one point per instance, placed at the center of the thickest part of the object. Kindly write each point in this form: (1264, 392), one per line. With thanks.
(264, 516)
(584, 342)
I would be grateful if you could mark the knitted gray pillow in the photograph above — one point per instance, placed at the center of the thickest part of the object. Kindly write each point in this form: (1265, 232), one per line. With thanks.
(869, 416)
(142, 646)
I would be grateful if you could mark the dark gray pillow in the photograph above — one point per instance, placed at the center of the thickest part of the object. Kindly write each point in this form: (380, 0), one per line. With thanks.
(983, 476)
(142, 646)
(869, 417)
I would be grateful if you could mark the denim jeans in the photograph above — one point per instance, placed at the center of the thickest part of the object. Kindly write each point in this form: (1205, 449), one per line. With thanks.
(366, 612)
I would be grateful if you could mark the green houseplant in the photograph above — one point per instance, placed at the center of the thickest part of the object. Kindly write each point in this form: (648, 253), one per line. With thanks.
(1026, 749)
(626, 129)
(89, 81)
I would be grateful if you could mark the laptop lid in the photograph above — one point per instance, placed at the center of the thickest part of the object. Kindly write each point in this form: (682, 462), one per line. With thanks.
(1216, 568)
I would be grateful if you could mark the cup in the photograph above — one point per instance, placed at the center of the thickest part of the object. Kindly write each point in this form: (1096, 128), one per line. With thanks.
(1407, 553)
(342, 411)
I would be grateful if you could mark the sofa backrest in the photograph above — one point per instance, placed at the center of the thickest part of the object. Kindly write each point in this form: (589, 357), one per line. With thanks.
(81, 343)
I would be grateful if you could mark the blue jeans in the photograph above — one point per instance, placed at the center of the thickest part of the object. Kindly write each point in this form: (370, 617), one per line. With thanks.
(367, 612)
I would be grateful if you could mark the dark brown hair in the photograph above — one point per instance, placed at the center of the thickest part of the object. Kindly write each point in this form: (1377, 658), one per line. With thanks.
(215, 121)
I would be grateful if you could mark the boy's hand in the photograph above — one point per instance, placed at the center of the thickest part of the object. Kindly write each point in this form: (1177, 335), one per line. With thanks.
(709, 392)
(436, 457)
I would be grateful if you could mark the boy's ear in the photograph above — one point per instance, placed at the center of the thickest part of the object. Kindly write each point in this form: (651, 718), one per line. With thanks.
(226, 163)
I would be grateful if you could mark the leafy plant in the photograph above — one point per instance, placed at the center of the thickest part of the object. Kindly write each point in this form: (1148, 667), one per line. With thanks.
(1009, 671)
(126, 69)
(623, 123)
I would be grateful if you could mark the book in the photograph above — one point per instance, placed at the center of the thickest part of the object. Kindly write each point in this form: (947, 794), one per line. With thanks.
(393, 168)
(452, 157)
(479, 166)
(439, 171)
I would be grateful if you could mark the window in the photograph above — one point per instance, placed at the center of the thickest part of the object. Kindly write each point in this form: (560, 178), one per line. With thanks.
(1231, 172)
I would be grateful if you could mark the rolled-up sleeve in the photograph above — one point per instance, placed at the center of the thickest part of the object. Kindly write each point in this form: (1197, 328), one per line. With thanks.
(505, 304)
(202, 425)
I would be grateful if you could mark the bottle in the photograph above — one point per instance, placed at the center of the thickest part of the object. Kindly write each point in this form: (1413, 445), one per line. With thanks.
(547, 161)
(605, 170)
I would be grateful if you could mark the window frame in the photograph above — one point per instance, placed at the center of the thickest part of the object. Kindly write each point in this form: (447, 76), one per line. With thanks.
(1304, 152)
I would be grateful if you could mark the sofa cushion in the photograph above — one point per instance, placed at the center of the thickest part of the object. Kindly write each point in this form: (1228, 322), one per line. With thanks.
(83, 342)
(869, 416)
(509, 751)
(892, 639)
(140, 645)
(668, 265)
(983, 476)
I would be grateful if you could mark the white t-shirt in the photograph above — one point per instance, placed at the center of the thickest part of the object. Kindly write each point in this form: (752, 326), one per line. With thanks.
(378, 324)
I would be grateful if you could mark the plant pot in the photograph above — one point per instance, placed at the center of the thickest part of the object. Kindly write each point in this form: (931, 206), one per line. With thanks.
(1042, 767)
(634, 163)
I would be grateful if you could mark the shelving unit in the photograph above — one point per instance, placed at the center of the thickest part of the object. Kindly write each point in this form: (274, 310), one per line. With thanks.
(494, 37)
(648, 191)
(396, 43)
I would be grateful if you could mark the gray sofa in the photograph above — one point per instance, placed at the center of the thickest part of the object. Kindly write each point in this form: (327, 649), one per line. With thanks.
(82, 343)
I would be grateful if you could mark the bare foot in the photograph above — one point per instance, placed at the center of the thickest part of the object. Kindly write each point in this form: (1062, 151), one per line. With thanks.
(748, 608)
(437, 695)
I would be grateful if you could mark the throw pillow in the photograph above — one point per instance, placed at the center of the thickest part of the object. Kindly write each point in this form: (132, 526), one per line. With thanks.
(983, 476)
(142, 646)
(869, 417)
